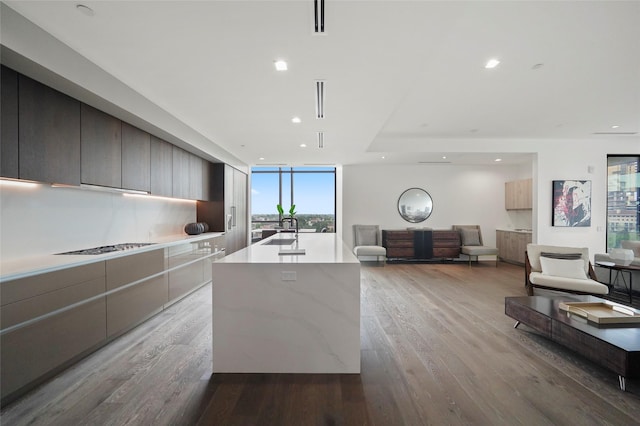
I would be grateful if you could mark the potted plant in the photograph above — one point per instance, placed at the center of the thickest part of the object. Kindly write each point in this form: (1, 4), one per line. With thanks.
(292, 213)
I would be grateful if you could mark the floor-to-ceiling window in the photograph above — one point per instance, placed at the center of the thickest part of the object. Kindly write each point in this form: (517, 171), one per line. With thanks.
(311, 189)
(623, 199)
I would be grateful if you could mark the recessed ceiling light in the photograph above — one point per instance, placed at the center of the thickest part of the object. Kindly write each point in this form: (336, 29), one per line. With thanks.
(444, 157)
(382, 157)
(492, 63)
(615, 126)
(303, 145)
(497, 160)
(85, 10)
(280, 65)
(261, 158)
(296, 120)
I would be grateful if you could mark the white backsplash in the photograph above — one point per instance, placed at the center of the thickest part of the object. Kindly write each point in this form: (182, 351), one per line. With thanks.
(45, 220)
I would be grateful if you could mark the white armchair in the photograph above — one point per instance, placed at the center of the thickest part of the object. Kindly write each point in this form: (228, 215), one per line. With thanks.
(367, 242)
(564, 269)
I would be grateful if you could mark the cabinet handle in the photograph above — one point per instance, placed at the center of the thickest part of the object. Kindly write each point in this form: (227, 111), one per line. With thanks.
(233, 216)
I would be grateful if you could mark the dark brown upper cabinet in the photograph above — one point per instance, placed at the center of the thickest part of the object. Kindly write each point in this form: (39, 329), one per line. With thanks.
(48, 134)
(207, 175)
(181, 163)
(161, 167)
(9, 123)
(136, 158)
(101, 137)
(195, 177)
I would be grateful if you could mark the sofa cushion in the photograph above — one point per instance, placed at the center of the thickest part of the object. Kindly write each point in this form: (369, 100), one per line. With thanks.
(369, 251)
(561, 255)
(470, 237)
(534, 251)
(478, 250)
(366, 235)
(632, 245)
(567, 268)
(560, 283)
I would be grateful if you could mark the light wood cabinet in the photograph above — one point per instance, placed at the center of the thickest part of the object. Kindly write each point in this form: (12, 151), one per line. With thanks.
(129, 307)
(136, 158)
(512, 245)
(49, 134)
(39, 349)
(518, 195)
(9, 123)
(101, 142)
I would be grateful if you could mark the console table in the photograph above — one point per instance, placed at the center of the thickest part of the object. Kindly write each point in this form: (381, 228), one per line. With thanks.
(615, 347)
(421, 244)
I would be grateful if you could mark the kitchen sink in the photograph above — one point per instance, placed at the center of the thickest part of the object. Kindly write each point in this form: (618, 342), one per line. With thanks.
(108, 249)
(280, 242)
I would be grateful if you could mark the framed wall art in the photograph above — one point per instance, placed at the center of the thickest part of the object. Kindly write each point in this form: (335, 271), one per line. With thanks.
(571, 203)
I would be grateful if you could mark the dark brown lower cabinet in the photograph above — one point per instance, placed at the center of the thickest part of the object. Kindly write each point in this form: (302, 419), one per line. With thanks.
(38, 350)
(41, 335)
(421, 244)
(130, 306)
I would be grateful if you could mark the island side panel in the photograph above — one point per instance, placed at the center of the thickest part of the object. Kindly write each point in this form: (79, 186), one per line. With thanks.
(266, 322)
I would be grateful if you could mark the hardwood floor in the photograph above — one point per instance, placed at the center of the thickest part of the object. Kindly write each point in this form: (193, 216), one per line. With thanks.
(436, 349)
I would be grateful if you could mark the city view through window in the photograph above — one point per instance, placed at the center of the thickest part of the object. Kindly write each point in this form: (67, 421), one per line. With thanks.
(311, 189)
(623, 199)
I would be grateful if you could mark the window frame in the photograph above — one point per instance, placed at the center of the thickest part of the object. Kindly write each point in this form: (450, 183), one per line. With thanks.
(635, 233)
(292, 171)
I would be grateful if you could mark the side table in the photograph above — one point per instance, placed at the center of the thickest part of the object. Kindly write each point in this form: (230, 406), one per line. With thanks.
(620, 269)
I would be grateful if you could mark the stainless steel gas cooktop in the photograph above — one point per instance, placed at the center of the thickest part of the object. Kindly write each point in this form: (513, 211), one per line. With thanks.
(108, 249)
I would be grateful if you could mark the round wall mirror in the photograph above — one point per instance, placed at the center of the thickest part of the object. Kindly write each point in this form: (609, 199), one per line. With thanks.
(415, 205)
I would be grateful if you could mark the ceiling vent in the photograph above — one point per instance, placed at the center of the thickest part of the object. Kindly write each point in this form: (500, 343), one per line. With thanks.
(320, 99)
(320, 140)
(318, 12)
(615, 133)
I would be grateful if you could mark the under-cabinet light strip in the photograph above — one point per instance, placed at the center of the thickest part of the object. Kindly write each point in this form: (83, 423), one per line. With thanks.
(18, 183)
(157, 197)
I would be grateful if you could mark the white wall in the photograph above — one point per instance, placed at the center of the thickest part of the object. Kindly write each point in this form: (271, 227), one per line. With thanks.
(462, 195)
(475, 194)
(571, 160)
(45, 220)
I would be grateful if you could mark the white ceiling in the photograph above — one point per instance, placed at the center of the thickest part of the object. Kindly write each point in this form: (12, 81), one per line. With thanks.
(404, 79)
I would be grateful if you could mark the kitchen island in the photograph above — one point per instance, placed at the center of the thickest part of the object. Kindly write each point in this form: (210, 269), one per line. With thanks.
(287, 313)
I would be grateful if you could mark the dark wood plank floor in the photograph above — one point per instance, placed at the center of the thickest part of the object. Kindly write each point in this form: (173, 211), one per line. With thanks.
(436, 349)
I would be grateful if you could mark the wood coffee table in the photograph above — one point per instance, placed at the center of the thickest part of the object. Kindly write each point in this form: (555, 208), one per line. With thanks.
(615, 347)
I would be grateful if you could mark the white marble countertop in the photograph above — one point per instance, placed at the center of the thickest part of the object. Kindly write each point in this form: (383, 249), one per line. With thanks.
(319, 248)
(519, 231)
(35, 265)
